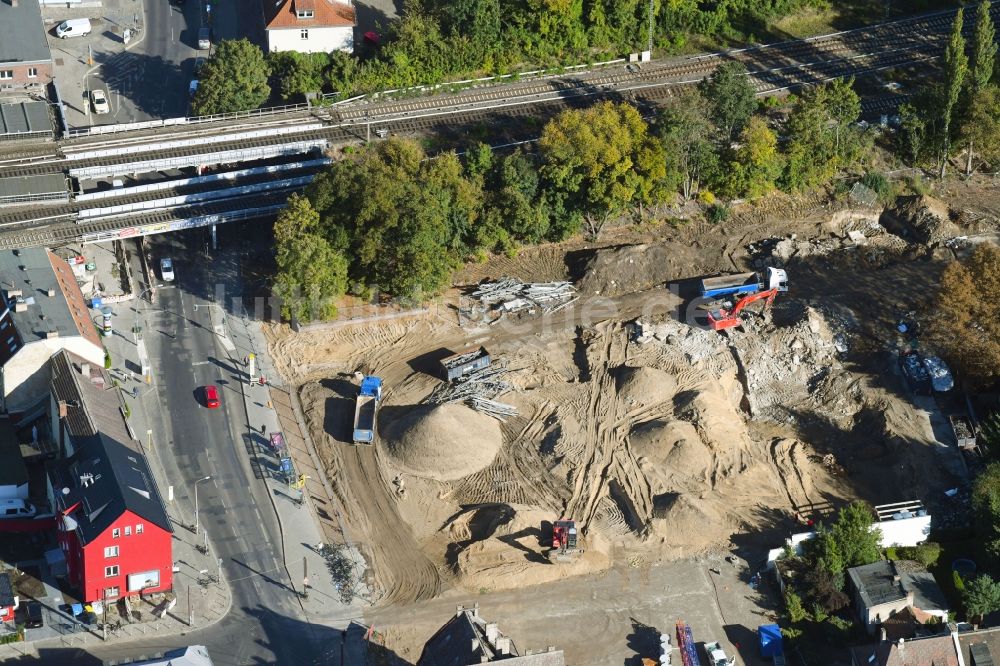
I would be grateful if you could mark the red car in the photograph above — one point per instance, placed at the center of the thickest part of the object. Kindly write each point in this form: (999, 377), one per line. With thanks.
(211, 397)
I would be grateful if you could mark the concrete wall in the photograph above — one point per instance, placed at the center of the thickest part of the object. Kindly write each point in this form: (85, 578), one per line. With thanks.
(26, 376)
(13, 491)
(321, 40)
(905, 532)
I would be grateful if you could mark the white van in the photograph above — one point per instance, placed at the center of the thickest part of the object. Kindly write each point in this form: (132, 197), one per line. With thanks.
(73, 28)
(16, 508)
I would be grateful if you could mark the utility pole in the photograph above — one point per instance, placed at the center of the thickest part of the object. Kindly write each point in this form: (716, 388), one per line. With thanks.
(305, 577)
(197, 521)
(104, 625)
(190, 610)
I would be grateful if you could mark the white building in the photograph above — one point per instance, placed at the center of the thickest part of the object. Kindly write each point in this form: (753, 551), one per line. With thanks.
(311, 26)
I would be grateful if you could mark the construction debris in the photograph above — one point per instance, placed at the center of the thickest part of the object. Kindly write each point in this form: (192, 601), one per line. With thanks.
(510, 295)
(479, 390)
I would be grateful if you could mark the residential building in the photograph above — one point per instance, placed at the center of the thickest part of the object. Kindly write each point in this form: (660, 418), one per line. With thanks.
(882, 589)
(42, 312)
(113, 528)
(932, 651)
(311, 26)
(469, 639)
(25, 60)
(8, 600)
(980, 648)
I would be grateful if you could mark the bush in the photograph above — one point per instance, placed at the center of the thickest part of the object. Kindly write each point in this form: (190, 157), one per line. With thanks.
(892, 554)
(793, 604)
(879, 184)
(107, 360)
(706, 197)
(717, 214)
(956, 579)
(926, 553)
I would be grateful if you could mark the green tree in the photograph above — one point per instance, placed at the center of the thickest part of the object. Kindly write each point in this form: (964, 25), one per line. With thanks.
(981, 129)
(793, 605)
(686, 132)
(821, 138)
(981, 596)
(986, 504)
(311, 274)
(984, 50)
(956, 64)
(731, 96)
(965, 322)
(853, 532)
(756, 164)
(603, 158)
(233, 79)
(299, 73)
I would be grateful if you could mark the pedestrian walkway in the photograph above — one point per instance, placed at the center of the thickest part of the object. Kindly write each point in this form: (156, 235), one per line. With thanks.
(312, 529)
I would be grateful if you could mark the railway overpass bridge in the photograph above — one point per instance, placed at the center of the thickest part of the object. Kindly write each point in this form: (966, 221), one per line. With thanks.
(258, 158)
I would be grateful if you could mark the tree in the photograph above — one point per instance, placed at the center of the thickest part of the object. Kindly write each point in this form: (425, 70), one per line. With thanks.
(984, 50)
(956, 65)
(826, 587)
(604, 158)
(821, 139)
(686, 132)
(857, 540)
(731, 96)
(981, 129)
(986, 504)
(981, 106)
(793, 604)
(981, 596)
(298, 73)
(233, 79)
(757, 162)
(965, 322)
(311, 274)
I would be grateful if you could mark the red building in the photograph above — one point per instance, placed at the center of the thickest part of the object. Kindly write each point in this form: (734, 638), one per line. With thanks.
(112, 525)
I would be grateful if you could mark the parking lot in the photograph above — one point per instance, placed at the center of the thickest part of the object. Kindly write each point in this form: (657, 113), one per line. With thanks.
(148, 77)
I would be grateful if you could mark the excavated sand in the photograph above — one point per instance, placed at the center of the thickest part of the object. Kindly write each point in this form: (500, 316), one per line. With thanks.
(642, 387)
(442, 442)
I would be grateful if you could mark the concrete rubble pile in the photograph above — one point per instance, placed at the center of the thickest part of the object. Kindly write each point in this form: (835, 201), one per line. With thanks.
(479, 390)
(510, 295)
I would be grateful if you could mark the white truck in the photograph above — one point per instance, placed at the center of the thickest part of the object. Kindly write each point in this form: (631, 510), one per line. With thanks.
(717, 656)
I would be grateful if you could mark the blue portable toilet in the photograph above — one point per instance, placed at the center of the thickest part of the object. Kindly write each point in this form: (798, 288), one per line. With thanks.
(770, 640)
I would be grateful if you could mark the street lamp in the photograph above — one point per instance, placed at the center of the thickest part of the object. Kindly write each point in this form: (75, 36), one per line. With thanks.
(197, 521)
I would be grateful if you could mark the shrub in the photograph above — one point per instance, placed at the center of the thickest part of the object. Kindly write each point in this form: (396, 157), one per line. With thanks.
(793, 604)
(891, 553)
(926, 553)
(107, 360)
(957, 580)
(879, 184)
(718, 214)
(706, 197)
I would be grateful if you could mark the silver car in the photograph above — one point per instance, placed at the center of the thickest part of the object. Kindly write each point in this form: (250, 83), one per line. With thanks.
(167, 269)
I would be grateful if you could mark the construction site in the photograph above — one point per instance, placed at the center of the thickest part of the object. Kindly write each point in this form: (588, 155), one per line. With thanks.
(673, 391)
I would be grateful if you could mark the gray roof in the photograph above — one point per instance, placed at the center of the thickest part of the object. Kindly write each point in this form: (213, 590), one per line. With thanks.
(25, 117)
(22, 187)
(886, 582)
(6, 590)
(13, 472)
(22, 37)
(980, 648)
(462, 641)
(192, 655)
(119, 476)
(32, 272)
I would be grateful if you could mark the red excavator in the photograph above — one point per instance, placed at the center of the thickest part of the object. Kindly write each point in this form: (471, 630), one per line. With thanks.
(564, 543)
(722, 314)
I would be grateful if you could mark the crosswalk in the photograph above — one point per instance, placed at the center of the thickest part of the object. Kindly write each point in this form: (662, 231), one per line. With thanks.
(121, 70)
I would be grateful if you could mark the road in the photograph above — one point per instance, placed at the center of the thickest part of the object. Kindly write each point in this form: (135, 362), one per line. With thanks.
(266, 624)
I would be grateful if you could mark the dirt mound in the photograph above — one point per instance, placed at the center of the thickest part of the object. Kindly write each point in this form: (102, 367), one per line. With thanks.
(922, 219)
(672, 444)
(644, 386)
(504, 547)
(628, 269)
(443, 442)
(680, 519)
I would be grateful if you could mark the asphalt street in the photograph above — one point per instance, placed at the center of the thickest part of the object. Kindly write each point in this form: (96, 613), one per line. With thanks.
(266, 624)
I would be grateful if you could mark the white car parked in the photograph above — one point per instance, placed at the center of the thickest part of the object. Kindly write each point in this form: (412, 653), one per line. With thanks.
(100, 101)
(167, 269)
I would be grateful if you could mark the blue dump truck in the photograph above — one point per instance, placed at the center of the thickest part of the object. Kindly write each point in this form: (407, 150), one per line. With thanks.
(744, 283)
(369, 395)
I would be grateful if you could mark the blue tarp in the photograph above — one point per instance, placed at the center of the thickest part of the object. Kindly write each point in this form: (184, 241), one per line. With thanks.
(770, 640)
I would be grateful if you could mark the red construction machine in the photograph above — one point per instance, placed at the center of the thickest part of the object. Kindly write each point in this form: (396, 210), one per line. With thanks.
(723, 314)
(564, 541)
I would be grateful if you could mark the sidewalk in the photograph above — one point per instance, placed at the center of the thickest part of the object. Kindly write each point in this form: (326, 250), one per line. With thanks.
(200, 601)
(314, 520)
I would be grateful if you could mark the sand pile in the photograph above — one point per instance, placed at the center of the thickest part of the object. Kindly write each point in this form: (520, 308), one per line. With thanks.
(671, 452)
(643, 386)
(442, 442)
(628, 269)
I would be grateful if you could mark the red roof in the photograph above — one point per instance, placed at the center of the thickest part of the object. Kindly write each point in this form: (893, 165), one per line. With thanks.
(326, 14)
